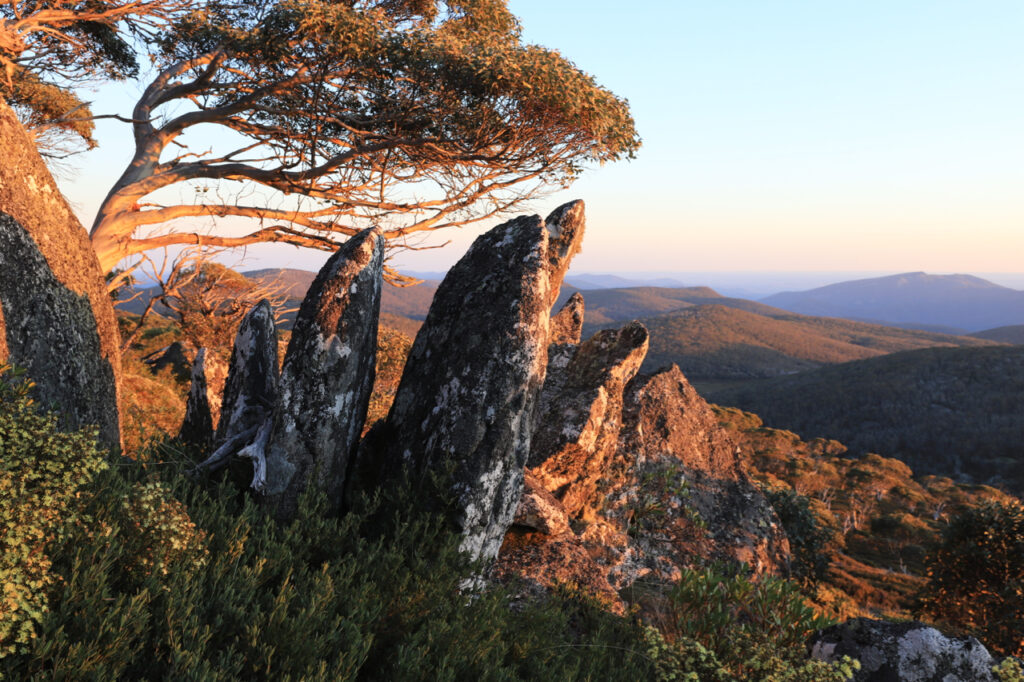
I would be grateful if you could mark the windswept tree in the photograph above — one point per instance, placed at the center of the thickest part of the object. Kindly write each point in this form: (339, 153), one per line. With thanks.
(312, 119)
(49, 47)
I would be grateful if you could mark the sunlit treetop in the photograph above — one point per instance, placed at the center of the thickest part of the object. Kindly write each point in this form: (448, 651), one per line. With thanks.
(409, 115)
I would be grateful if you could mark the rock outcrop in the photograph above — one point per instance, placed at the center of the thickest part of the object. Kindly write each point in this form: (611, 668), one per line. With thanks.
(203, 407)
(463, 412)
(250, 391)
(646, 479)
(29, 195)
(578, 434)
(904, 652)
(50, 330)
(567, 324)
(326, 379)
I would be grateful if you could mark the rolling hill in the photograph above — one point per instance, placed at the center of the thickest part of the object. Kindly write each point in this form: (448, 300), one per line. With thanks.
(951, 411)
(716, 342)
(913, 298)
(1013, 334)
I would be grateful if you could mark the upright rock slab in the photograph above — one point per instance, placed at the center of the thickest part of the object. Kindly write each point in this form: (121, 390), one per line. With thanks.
(567, 325)
(50, 331)
(464, 408)
(205, 393)
(251, 389)
(576, 437)
(326, 379)
(29, 195)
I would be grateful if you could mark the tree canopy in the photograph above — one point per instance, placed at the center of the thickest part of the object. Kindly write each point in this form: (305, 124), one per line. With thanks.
(329, 116)
(46, 48)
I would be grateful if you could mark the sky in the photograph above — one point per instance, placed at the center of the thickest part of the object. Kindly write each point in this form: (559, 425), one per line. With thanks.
(847, 136)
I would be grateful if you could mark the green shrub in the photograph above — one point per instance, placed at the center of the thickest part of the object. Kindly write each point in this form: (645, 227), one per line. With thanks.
(42, 473)
(808, 540)
(752, 629)
(239, 596)
(976, 575)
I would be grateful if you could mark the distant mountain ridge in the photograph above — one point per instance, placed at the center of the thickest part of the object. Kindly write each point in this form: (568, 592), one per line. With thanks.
(913, 298)
(722, 342)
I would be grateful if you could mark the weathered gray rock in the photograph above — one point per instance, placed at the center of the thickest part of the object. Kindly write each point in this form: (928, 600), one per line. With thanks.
(565, 330)
(575, 439)
(205, 393)
(30, 196)
(567, 325)
(251, 389)
(904, 652)
(49, 330)
(464, 408)
(326, 379)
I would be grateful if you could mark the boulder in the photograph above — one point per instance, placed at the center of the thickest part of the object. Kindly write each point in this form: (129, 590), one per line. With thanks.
(202, 409)
(575, 438)
(30, 197)
(463, 412)
(251, 390)
(538, 509)
(50, 330)
(326, 380)
(904, 652)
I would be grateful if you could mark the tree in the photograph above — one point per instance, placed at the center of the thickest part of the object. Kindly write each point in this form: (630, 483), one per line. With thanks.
(206, 298)
(976, 576)
(329, 116)
(46, 48)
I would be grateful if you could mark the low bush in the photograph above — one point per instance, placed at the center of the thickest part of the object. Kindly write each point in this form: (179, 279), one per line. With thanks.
(42, 474)
(976, 576)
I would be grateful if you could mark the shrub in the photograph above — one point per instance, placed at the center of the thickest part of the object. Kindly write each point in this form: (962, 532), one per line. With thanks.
(808, 540)
(753, 630)
(976, 575)
(42, 473)
(365, 596)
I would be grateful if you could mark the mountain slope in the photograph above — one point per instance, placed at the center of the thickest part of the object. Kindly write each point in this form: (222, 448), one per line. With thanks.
(721, 343)
(962, 301)
(604, 306)
(941, 410)
(1013, 334)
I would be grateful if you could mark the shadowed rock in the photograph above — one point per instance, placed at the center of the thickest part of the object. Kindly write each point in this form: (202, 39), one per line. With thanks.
(50, 331)
(251, 390)
(575, 438)
(173, 356)
(326, 379)
(907, 652)
(463, 412)
(29, 195)
(202, 409)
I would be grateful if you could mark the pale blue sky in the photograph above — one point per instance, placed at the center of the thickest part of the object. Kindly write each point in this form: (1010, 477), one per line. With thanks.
(814, 135)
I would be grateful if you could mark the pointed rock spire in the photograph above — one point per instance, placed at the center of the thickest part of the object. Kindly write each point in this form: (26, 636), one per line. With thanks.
(250, 391)
(464, 408)
(326, 379)
(202, 409)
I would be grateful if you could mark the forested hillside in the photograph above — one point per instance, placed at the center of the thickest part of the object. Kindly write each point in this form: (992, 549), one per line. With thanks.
(946, 411)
